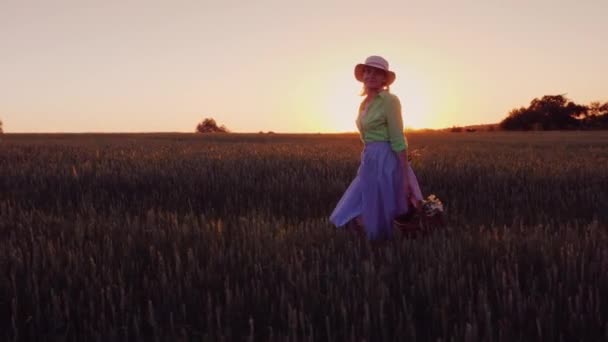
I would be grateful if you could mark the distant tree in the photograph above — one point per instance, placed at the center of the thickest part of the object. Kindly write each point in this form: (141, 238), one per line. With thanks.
(551, 112)
(209, 125)
(595, 109)
(597, 116)
(456, 129)
(1, 131)
(516, 119)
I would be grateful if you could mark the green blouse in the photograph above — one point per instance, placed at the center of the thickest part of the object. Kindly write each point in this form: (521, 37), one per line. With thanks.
(383, 121)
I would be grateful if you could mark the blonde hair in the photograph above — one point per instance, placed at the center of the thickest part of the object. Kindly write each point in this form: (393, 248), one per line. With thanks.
(364, 89)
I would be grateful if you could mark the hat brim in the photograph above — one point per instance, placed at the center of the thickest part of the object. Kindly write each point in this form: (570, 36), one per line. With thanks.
(359, 73)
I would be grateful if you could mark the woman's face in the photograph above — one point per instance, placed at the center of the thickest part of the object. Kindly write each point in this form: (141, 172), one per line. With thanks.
(373, 78)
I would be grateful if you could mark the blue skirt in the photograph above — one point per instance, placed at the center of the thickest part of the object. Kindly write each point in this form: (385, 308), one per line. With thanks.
(377, 193)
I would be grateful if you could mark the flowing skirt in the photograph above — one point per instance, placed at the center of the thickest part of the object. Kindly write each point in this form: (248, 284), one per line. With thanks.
(378, 192)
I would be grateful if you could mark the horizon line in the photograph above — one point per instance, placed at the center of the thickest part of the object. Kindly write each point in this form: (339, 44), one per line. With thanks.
(407, 129)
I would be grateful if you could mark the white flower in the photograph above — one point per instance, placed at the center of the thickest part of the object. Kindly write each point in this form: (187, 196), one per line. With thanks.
(432, 206)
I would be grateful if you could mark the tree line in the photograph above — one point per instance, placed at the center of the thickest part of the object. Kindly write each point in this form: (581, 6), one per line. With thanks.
(557, 112)
(551, 112)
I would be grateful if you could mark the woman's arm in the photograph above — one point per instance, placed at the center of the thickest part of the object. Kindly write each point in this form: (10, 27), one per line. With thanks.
(399, 142)
(394, 120)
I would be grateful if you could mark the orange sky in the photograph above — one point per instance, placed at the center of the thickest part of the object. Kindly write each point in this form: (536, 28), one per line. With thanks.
(287, 66)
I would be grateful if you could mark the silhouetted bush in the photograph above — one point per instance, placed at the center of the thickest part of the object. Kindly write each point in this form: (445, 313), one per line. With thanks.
(210, 126)
(456, 129)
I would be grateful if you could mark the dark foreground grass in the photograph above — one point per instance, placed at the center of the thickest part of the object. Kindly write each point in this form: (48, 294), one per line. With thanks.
(175, 237)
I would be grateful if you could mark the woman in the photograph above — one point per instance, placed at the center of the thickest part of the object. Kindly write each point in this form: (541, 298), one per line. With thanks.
(385, 186)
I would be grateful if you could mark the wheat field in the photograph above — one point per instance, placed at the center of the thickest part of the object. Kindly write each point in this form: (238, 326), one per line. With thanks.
(184, 237)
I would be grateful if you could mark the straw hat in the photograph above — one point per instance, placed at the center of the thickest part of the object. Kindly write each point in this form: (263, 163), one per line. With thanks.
(378, 63)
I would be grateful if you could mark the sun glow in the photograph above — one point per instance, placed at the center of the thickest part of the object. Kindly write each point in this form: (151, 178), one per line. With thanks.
(342, 103)
(343, 100)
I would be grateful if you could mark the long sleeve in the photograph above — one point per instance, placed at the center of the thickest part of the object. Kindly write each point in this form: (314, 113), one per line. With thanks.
(395, 124)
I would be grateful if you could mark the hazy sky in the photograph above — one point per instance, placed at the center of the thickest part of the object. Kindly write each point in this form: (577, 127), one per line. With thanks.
(287, 66)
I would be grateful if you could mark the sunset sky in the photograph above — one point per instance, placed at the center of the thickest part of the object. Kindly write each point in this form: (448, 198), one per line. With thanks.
(287, 66)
